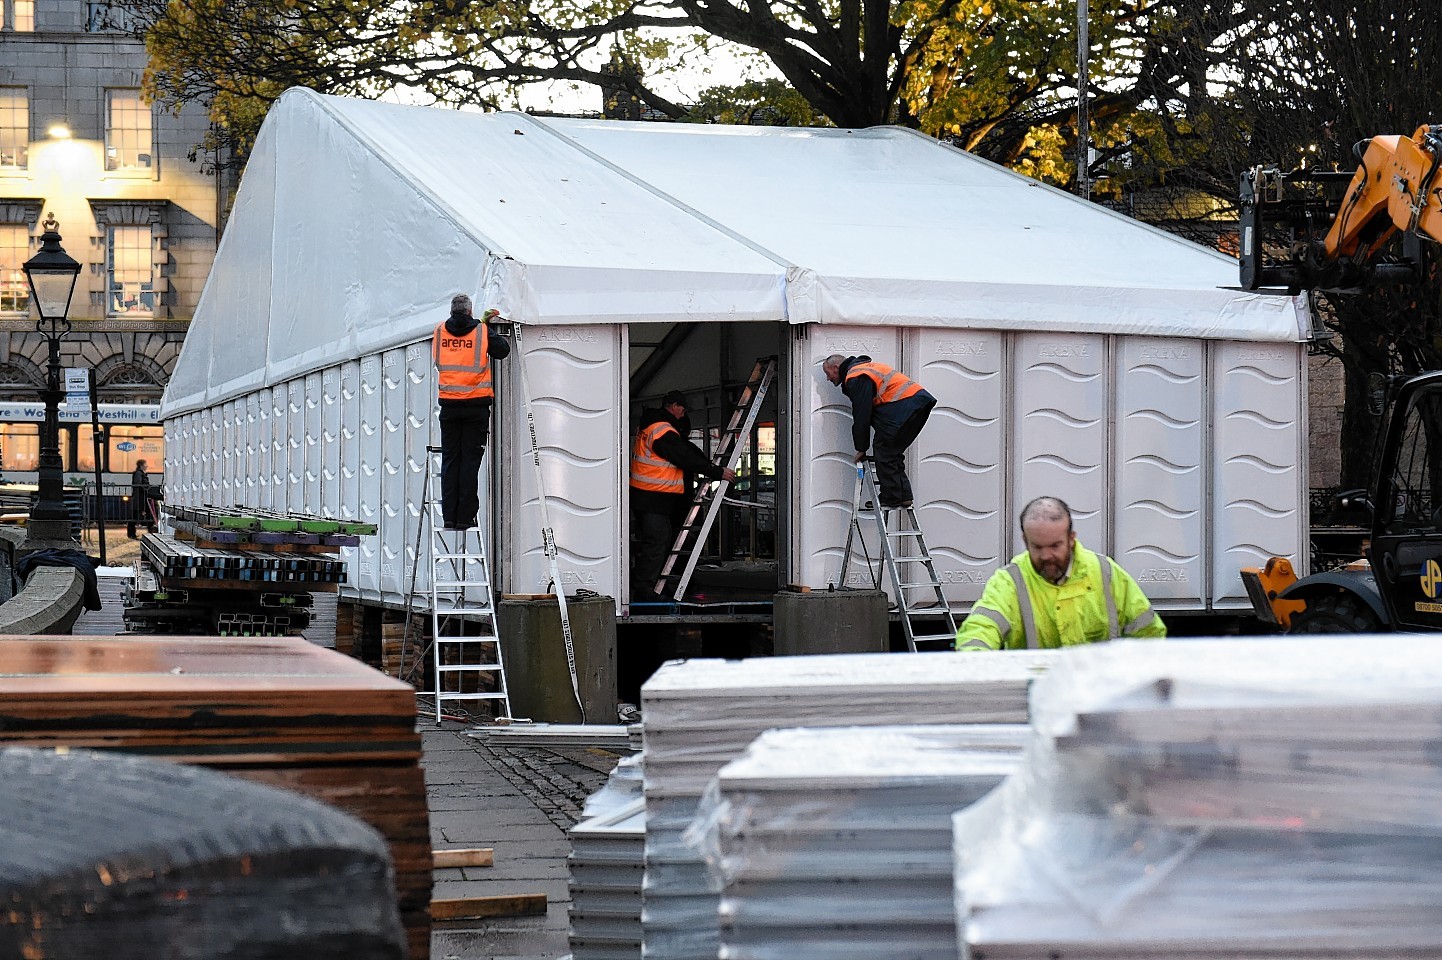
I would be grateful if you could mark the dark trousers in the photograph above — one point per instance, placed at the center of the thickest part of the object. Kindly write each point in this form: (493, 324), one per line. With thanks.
(888, 448)
(464, 431)
(654, 533)
(142, 511)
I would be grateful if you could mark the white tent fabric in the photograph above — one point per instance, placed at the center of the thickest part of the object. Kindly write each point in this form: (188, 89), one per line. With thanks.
(899, 229)
(356, 222)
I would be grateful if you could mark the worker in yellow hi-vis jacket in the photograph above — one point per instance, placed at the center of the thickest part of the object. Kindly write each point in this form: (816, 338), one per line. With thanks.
(1056, 594)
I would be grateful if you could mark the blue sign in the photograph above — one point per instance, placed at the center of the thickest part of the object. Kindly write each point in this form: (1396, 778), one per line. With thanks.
(125, 446)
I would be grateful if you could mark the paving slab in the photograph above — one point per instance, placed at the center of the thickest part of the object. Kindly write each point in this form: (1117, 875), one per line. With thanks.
(519, 801)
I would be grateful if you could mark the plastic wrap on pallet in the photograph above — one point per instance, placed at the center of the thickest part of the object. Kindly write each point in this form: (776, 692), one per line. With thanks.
(700, 714)
(621, 788)
(1205, 799)
(826, 838)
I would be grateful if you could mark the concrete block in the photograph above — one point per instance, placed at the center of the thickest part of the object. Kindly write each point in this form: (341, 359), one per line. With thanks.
(834, 621)
(537, 675)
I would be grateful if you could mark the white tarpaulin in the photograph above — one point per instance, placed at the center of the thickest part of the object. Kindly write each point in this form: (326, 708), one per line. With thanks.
(356, 221)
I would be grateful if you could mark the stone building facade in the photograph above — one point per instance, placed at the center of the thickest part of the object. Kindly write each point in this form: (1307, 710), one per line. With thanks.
(77, 141)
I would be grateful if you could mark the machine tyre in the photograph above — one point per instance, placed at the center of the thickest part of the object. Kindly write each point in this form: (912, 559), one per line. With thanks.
(1335, 613)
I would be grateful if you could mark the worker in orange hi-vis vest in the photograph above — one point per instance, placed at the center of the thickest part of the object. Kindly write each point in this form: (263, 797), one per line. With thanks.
(462, 348)
(661, 459)
(888, 410)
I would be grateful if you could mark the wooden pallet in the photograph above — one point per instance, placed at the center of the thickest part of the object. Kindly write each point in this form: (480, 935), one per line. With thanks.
(280, 711)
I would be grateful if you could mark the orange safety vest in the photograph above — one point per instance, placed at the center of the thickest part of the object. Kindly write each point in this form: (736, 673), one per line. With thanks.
(463, 362)
(890, 384)
(648, 470)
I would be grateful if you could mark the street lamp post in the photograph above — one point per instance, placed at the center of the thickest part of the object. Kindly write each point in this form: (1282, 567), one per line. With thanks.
(51, 274)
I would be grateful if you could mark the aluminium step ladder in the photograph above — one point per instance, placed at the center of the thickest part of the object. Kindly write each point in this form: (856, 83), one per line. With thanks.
(465, 645)
(680, 563)
(905, 556)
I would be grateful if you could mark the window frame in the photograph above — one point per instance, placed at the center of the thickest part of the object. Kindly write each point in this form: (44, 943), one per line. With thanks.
(114, 161)
(140, 230)
(22, 168)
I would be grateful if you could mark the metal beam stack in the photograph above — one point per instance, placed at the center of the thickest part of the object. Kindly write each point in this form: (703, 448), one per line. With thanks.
(1218, 800)
(701, 714)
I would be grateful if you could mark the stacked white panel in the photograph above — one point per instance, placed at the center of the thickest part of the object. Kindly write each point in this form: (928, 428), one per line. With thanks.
(959, 460)
(1260, 488)
(606, 865)
(256, 449)
(1061, 422)
(1159, 499)
(835, 844)
(1216, 800)
(701, 714)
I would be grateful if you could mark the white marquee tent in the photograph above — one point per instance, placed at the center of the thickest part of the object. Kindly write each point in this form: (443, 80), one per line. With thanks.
(1069, 347)
(356, 220)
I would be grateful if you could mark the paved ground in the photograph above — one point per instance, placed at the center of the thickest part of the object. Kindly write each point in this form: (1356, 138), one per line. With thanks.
(519, 801)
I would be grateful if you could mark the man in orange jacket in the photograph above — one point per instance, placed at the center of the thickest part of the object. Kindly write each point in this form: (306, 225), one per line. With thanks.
(462, 349)
(662, 460)
(887, 403)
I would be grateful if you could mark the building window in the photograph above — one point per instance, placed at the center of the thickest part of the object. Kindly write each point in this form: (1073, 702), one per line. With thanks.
(128, 144)
(129, 272)
(14, 128)
(21, 15)
(14, 251)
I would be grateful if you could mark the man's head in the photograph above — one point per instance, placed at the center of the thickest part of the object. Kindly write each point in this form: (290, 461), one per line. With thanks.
(460, 305)
(1046, 531)
(674, 403)
(831, 366)
(140, 464)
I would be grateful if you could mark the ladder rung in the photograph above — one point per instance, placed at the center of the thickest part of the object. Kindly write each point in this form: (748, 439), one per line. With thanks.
(477, 667)
(449, 640)
(462, 584)
(462, 609)
(934, 636)
(448, 695)
(467, 557)
(923, 558)
(919, 583)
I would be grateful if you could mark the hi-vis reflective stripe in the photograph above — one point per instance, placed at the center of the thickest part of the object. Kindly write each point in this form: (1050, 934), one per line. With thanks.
(463, 363)
(890, 384)
(1139, 622)
(1028, 615)
(1003, 627)
(651, 472)
(1023, 600)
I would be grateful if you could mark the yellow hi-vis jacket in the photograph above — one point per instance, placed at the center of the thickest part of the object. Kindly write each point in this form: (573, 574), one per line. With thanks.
(1020, 609)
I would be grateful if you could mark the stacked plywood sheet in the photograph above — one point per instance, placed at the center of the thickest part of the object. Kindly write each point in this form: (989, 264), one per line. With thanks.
(700, 714)
(279, 711)
(1243, 799)
(835, 844)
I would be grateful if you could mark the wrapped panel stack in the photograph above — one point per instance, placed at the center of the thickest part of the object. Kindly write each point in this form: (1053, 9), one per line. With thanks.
(835, 844)
(1217, 799)
(701, 714)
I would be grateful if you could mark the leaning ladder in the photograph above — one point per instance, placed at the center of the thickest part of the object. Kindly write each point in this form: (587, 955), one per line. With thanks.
(465, 645)
(691, 538)
(905, 556)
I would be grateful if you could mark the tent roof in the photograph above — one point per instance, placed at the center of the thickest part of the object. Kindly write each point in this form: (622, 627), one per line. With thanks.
(356, 221)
